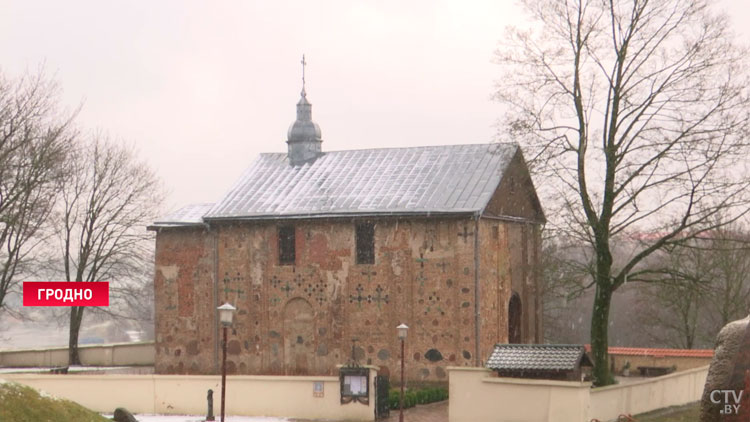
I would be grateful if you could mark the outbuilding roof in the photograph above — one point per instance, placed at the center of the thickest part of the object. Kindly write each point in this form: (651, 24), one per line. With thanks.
(450, 179)
(537, 357)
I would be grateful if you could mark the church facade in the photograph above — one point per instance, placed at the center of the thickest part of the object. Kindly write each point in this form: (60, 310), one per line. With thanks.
(324, 253)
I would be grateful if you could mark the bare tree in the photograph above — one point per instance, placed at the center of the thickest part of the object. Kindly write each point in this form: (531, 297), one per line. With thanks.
(728, 295)
(635, 114)
(670, 306)
(704, 284)
(34, 139)
(107, 201)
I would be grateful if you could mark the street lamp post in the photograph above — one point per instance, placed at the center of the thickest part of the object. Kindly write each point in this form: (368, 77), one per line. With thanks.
(402, 329)
(226, 313)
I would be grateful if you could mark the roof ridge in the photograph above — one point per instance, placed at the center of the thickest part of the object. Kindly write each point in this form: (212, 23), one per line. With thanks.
(403, 148)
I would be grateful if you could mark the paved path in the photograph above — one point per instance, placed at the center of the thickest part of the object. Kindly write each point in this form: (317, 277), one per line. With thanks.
(433, 412)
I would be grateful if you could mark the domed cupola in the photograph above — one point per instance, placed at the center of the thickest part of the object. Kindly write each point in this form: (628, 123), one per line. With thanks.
(303, 138)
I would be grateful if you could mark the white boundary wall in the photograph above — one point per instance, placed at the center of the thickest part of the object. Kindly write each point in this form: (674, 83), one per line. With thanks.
(284, 396)
(644, 396)
(117, 354)
(476, 395)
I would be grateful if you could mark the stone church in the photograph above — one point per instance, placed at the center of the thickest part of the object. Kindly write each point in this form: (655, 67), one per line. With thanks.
(324, 253)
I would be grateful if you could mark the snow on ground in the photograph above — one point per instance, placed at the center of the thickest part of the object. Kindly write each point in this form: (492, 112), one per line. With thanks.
(176, 418)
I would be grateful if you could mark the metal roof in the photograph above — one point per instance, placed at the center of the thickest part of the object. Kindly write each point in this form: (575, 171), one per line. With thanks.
(188, 215)
(389, 181)
(537, 357)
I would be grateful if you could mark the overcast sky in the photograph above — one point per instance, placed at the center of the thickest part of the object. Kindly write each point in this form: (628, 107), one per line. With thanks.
(201, 88)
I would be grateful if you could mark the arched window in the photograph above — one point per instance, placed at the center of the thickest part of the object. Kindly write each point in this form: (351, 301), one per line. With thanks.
(514, 319)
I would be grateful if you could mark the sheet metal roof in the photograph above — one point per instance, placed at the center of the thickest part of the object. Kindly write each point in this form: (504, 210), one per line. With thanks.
(418, 180)
(188, 215)
(537, 357)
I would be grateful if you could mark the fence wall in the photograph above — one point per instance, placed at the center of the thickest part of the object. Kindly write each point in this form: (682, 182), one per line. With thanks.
(476, 395)
(118, 354)
(644, 396)
(284, 396)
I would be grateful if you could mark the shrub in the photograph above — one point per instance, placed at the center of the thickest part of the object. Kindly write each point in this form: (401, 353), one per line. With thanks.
(414, 397)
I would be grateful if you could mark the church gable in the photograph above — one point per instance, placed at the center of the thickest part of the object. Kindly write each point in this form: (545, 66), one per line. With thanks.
(515, 195)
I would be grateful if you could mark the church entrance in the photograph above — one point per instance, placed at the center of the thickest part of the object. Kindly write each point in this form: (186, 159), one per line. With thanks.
(514, 319)
(298, 337)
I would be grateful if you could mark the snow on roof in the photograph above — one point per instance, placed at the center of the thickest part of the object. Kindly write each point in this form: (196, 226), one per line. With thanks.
(537, 357)
(188, 215)
(388, 181)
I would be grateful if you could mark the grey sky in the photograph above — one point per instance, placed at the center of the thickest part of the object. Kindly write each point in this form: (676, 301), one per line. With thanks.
(202, 87)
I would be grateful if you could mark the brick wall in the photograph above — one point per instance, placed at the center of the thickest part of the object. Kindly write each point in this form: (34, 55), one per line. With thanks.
(300, 319)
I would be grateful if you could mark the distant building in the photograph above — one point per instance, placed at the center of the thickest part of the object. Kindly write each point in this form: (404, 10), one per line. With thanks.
(318, 248)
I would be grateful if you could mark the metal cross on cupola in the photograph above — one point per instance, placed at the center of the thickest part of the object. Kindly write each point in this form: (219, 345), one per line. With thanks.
(304, 63)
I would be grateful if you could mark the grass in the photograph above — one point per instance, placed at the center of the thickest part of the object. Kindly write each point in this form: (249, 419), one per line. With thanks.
(19, 403)
(686, 413)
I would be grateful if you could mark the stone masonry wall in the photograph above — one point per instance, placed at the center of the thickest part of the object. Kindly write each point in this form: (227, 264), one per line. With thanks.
(301, 319)
(183, 285)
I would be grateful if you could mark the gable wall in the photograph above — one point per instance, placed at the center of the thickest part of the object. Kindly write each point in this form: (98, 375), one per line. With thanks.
(509, 258)
(515, 196)
(300, 319)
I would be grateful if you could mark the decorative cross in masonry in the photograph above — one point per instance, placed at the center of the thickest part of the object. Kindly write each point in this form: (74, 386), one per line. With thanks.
(421, 278)
(422, 260)
(442, 265)
(466, 234)
(369, 275)
(359, 298)
(287, 288)
(227, 290)
(378, 298)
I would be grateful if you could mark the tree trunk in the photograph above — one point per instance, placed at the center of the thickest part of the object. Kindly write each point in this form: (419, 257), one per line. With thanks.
(599, 335)
(76, 316)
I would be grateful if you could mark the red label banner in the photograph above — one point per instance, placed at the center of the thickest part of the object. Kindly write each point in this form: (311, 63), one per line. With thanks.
(65, 293)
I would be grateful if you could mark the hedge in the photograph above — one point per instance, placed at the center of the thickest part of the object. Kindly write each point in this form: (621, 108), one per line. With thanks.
(414, 397)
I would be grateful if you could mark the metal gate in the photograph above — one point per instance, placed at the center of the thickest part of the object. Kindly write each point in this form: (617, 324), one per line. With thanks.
(382, 405)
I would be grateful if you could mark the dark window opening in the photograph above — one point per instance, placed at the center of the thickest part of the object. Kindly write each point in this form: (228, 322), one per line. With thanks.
(286, 245)
(365, 234)
(514, 319)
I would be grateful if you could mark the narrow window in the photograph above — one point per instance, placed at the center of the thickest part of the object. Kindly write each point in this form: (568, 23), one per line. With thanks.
(365, 234)
(286, 245)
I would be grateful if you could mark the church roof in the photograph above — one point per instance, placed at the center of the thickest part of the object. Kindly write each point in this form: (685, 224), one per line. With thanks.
(537, 357)
(188, 215)
(451, 179)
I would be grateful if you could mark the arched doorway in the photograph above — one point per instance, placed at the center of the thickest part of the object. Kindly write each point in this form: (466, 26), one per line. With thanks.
(514, 319)
(298, 337)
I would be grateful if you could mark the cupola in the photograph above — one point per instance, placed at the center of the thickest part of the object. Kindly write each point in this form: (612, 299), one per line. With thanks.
(303, 138)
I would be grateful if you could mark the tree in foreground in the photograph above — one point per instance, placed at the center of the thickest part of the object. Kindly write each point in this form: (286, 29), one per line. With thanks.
(107, 200)
(34, 140)
(634, 114)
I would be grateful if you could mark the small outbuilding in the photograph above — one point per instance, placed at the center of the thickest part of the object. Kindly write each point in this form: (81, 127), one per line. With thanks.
(564, 362)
